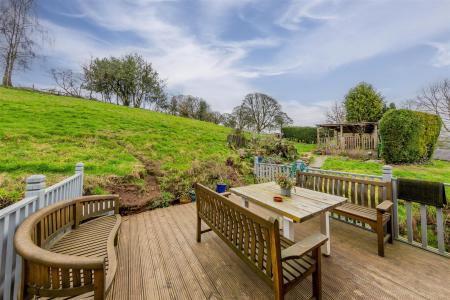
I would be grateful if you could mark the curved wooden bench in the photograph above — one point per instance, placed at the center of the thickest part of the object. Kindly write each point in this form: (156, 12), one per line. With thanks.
(68, 248)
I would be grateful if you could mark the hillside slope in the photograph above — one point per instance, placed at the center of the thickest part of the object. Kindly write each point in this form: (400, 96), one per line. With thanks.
(41, 133)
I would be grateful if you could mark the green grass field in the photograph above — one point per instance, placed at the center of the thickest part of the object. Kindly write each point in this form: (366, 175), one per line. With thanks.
(45, 134)
(435, 170)
(303, 148)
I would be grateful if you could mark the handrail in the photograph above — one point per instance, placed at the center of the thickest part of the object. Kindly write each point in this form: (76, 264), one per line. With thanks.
(18, 205)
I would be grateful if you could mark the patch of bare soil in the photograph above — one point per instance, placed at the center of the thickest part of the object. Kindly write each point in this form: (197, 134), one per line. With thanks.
(135, 198)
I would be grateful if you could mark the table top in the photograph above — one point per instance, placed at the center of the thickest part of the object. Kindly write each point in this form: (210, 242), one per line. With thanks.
(301, 206)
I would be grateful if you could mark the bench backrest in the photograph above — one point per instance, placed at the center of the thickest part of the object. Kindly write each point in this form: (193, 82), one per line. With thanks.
(368, 193)
(254, 239)
(51, 274)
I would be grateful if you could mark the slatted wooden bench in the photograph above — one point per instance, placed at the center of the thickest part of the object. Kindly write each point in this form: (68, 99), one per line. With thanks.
(68, 248)
(369, 201)
(257, 241)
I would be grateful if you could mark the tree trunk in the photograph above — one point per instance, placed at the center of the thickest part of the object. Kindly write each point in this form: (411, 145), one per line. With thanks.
(7, 73)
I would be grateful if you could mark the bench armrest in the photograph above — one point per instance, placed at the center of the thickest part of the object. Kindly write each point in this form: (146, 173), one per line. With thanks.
(385, 205)
(304, 246)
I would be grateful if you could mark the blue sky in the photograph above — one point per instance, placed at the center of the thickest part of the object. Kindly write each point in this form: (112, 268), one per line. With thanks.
(306, 54)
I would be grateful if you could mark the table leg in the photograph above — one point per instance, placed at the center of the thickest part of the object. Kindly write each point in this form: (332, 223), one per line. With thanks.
(244, 202)
(325, 229)
(288, 228)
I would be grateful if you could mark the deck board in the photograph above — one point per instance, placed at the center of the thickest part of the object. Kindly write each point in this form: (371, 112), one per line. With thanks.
(159, 258)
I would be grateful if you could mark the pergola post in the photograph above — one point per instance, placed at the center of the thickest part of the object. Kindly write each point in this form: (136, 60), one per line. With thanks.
(375, 138)
(318, 136)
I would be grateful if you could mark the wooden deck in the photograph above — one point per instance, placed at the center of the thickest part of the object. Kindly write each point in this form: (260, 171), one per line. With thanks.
(160, 259)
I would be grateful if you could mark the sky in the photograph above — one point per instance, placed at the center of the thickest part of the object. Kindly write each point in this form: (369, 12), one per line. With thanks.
(305, 54)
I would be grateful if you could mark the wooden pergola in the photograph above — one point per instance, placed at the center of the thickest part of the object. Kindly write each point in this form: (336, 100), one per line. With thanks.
(348, 136)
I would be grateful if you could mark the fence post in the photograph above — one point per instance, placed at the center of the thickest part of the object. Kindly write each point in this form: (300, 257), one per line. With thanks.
(387, 177)
(79, 169)
(35, 186)
(255, 165)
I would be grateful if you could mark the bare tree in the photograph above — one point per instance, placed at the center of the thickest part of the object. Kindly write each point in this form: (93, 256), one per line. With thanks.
(188, 106)
(173, 106)
(239, 119)
(69, 82)
(410, 104)
(18, 24)
(261, 111)
(436, 99)
(282, 120)
(336, 113)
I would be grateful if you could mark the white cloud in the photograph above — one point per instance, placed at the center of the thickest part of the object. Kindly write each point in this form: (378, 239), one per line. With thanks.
(362, 30)
(306, 115)
(303, 10)
(442, 57)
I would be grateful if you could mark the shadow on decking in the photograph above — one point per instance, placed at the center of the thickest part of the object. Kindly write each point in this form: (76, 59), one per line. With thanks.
(160, 259)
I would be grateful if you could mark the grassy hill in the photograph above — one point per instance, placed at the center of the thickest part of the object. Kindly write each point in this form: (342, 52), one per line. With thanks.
(41, 133)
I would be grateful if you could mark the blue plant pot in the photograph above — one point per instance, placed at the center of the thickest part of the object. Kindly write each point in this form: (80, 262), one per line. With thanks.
(221, 188)
(192, 195)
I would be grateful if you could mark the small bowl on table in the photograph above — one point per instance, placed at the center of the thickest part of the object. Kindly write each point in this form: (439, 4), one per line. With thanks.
(277, 198)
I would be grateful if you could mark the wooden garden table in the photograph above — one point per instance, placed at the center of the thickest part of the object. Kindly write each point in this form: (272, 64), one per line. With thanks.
(303, 205)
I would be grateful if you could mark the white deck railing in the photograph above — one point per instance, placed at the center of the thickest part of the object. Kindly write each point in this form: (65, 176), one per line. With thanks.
(403, 227)
(36, 196)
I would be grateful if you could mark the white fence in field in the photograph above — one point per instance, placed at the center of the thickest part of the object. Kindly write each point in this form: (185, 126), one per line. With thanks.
(37, 196)
(269, 172)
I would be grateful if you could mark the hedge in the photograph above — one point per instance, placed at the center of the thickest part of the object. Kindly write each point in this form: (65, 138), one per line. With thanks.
(408, 136)
(300, 134)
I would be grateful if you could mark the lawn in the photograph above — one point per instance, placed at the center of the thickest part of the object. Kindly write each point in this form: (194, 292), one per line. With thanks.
(41, 133)
(303, 148)
(435, 170)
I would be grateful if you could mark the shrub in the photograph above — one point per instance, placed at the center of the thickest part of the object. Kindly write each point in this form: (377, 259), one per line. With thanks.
(306, 135)
(408, 136)
(280, 150)
(237, 139)
(363, 104)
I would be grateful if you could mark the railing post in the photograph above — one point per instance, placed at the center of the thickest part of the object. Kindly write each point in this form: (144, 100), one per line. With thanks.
(387, 177)
(79, 169)
(35, 186)
(387, 173)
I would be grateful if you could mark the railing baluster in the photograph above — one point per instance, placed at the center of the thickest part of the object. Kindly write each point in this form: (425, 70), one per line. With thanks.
(423, 225)
(409, 226)
(395, 209)
(440, 230)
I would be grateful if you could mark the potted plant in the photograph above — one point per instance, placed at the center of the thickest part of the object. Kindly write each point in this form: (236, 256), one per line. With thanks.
(185, 198)
(286, 184)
